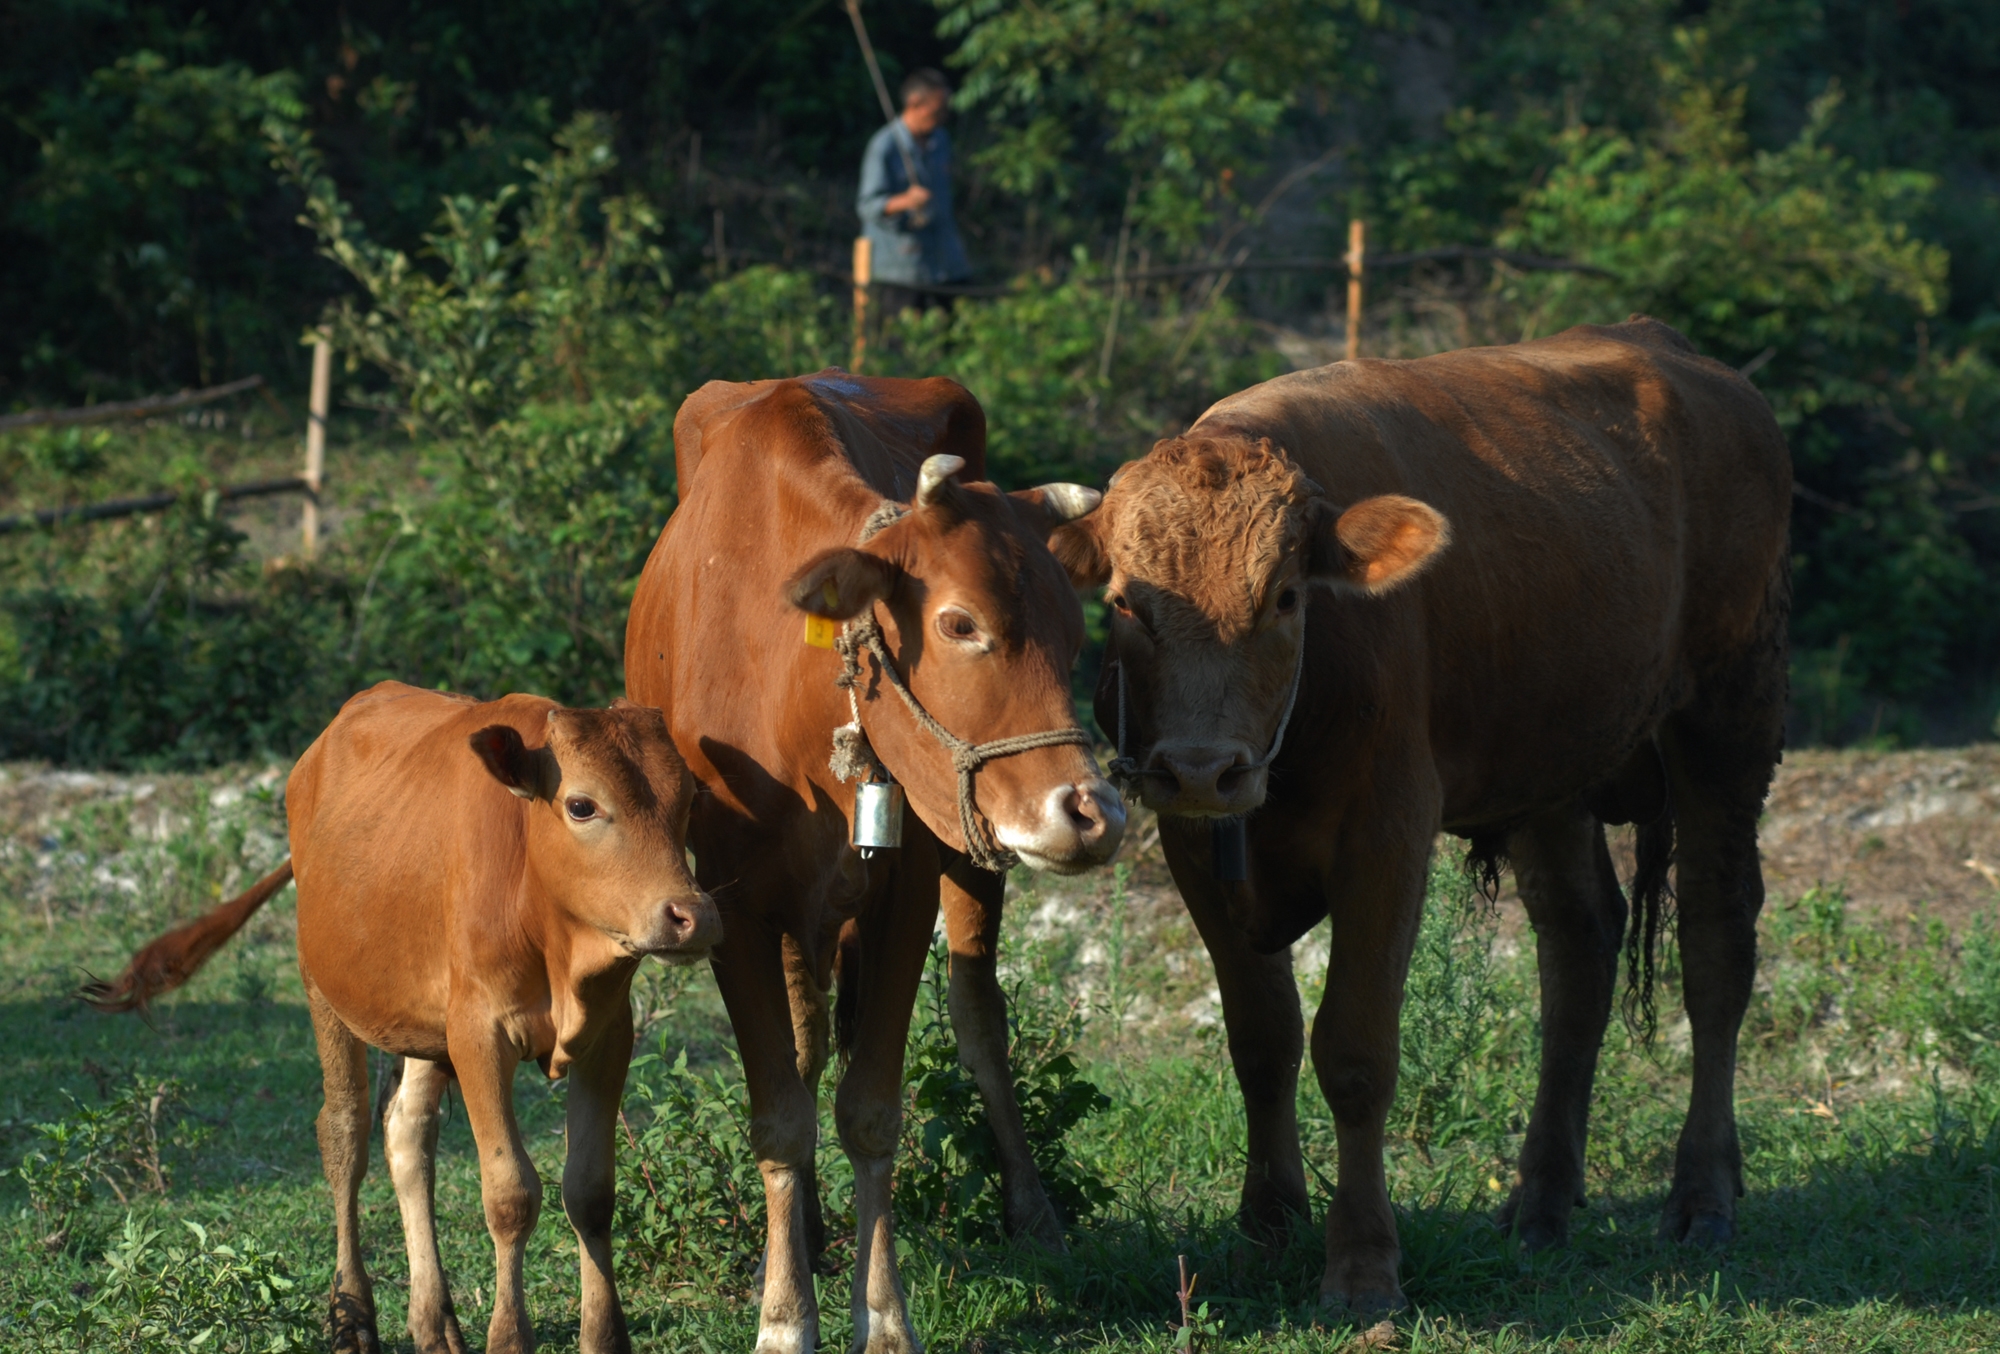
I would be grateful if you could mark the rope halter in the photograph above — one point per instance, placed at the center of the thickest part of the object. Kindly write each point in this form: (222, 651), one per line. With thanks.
(1125, 772)
(854, 759)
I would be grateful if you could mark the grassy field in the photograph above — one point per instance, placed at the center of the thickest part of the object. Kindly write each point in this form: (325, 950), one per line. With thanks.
(167, 1181)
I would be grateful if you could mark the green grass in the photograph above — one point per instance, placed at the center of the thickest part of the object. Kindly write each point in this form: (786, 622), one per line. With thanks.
(1870, 1122)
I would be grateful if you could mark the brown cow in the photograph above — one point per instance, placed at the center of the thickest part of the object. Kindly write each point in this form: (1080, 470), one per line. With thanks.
(477, 884)
(1605, 630)
(836, 497)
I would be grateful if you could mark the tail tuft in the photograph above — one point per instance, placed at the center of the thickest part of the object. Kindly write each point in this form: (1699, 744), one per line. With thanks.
(1652, 920)
(179, 954)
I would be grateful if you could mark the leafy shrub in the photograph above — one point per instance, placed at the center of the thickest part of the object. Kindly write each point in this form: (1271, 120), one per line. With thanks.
(690, 1197)
(949, 1170)
(117, 1145)
(166, 1297)
(1448, 1018)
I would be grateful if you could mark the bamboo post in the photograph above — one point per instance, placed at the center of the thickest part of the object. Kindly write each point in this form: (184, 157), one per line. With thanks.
(322, 381)
(1357, 251)
(864, 258)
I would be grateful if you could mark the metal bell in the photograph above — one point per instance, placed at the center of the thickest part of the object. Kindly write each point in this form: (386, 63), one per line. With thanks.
(878, 816)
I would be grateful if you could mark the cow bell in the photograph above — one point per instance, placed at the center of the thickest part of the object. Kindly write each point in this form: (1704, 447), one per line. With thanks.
(1228, 851)
(878, 816)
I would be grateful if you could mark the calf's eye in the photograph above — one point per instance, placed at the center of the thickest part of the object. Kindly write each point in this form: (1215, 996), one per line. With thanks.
(1119, 604)
(580, 810)
(1288, 601)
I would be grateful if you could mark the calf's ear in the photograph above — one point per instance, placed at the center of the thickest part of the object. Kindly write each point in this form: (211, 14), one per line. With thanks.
(1080, 550)
(526, 772)
(1376, 545)
(841, 583)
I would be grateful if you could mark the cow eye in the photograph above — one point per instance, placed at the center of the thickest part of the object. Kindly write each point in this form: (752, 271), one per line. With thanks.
(1119, 604)
(580, 809)
(1288, 601)
(955, 624)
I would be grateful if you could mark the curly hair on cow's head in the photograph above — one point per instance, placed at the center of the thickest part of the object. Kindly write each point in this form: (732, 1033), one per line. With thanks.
(1214, 463)
(1208, 520)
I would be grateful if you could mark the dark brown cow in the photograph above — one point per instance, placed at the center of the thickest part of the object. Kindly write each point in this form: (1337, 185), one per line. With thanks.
(837, 495)
(1589, 537)
(477, 885)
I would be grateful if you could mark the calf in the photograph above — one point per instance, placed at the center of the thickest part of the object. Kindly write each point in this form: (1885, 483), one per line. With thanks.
(835, 499)
(477, 883)
(1602, 640)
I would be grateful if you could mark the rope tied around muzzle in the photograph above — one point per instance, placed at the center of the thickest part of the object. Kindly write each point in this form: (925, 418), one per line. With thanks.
(854, 759)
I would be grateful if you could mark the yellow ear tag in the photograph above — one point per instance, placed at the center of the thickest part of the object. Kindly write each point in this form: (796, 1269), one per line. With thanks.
(819, 629)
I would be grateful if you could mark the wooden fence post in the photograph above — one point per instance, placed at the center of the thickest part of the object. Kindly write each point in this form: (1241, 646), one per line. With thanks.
(322, 382)
(1357, 250)
(864, 259)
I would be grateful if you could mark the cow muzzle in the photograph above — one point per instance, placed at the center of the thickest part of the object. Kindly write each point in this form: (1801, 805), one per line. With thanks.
(1078, 827)
(1203, 782)
(684, 930)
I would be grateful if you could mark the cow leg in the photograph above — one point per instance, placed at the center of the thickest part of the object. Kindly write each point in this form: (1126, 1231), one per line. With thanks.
(343, 1152)
(1573, 900)
(784, 1129)
(409, 1141)
(805, 990)
(590, 1186)
(1260, 1014)
(509, 1186)
(868, 1108)
(972, 899)
(1376, 903)
(1719, 765)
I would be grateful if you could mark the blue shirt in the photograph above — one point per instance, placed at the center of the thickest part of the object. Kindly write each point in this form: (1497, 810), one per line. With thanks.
(901, 252)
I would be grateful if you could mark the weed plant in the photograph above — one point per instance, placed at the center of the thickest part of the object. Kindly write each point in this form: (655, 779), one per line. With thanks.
(1871, 1138)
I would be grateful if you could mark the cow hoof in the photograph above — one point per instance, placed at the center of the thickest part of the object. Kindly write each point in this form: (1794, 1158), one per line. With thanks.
(1363, 1305)
(1707, 1228)
(353, 1325)
(1534, 1225)
(1038, 1226)
(884, 1332)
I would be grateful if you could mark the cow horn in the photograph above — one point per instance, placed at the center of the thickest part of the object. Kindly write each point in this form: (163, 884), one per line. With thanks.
(933, 476)
(1070, 501)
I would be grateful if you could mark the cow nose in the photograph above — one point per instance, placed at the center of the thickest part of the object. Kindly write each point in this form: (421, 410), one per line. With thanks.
(1095, 813)
(1201, 780)
(689, 927)
(1076, 826)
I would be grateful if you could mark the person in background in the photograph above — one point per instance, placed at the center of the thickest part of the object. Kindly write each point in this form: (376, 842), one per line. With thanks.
(912, 236)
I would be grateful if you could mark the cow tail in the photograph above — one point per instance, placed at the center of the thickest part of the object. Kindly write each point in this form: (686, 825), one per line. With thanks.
(1652, 919)
(847, 997)
(176, 956)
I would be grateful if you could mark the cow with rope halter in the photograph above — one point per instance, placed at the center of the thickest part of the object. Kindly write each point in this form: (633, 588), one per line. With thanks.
(1512, 593)
(838, 608)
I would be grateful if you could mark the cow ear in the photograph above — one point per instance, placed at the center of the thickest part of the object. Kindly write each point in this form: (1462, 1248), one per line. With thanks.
(1376, 545)
(841, 583)
(522, 769)
(1079, 547)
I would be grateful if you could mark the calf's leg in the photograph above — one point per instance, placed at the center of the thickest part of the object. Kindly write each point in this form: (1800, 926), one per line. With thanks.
(409, 1141)
(1571, 891)
(868, 1108)
(343, 1152)
(508, 1184)
(805, 989)
(972, 899)
(784, 1129)
(1260, 1013)
(589, 1187)
(1719, 757)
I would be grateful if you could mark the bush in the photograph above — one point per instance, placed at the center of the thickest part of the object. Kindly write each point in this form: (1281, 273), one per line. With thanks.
(690, 1197)
(949, 1171)
(1448, 1020)
(117, 1145)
